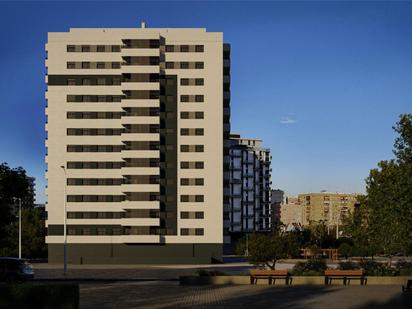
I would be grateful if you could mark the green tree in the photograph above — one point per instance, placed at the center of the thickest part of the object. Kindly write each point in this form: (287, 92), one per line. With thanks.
(383, 221)
(267, 249)
(14, 183)
(33, 235)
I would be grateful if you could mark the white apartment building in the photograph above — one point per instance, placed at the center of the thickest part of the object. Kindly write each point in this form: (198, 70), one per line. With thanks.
(249, 208)
(136, 121)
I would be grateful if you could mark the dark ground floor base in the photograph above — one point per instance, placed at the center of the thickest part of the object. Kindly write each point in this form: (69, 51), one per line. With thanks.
(136, 253)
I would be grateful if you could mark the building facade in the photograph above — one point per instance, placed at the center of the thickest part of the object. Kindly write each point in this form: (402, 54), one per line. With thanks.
(276, 200)
(291, 214)
(136, 123)
(249, 208)
(327, 207)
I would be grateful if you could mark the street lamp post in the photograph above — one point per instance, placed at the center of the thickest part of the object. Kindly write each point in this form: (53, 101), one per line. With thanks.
(19, 227)
(64, 225)
(14, 200)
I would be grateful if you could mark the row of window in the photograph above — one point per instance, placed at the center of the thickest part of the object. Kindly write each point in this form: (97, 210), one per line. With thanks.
(130, 196)
(117, 65)
(185, 48)
(94, 98)
(117, 131)
(114, 81)
(130, 162)
(93, 65)
(191, 232)
(198, 98)
(131, 145)
(137, 111)
(192, 181)
(93, 48)
(120, 231)
(191, 215)
(185, 65)
(192, 148)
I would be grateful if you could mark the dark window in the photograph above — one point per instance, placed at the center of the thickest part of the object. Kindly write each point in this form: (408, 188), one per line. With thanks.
(199, 165)
(115, 48)
(199, 48)
(199, 65)
(71, 82)
(101, 48)
(71, 65)
(184, 48)
(199, 82)
(199, 98)
(199, 115)
(71, 48)
(85, 48)
(184, 232)
(199, 215)
(199, 232)
(115, 65)
(85, 65)
(184, 215)
(184, 81)
(170, 48)
(184, 65)
(184, 98)
(170, 65)
(100, 65)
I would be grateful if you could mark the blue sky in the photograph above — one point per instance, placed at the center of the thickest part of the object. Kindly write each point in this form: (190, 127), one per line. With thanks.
(321, 83)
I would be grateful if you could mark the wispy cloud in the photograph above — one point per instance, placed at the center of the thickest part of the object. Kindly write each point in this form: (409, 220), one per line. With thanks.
(288, 120)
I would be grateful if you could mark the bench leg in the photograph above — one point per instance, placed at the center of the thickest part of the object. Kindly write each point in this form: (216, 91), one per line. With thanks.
(344, 280)
(270, 280)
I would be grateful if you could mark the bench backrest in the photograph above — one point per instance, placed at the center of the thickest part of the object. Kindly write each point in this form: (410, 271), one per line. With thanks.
(268, 272)
(341, 272)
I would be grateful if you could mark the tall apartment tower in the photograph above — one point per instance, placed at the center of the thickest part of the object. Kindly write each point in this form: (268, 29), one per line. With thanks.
(250, 181)
(135, 144)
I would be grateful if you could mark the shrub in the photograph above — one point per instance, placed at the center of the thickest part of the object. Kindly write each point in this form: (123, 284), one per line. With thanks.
(45, 296)
(203, 272)
(404, 268)
(348, 265)
(309, 268)
(345, 250)
(373, 268)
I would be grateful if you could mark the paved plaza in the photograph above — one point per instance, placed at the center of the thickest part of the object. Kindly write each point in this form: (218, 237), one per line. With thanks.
(162, 295)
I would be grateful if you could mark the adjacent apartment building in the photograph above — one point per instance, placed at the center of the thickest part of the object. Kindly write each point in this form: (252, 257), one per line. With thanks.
(328, 207)
(136, 122)
(248, 209)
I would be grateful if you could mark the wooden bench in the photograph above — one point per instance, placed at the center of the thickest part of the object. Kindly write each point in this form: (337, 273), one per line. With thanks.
(346, 275)
(407, 287)
(269, 274)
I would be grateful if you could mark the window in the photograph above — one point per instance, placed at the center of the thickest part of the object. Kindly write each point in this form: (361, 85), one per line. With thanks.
(184, 81)
(199, 48)
(199, 215)
(199, 131)
(71, 48)
(115, 65)
(184, 65)
(199, 98)
(86, 231)
(85, 65)
(184, 215)
(170, 65)
(71, 65)
(184, 48)
(170, 48)
(101, 231)
(199, 165)
(184, 232)
(100, 48)
(199, 81)
(71, 82)
(85, 48)
(115, 48)
(184, 98)
(199, 232)
(71, 231)
(100, 65)
(86, 82)
(101, 81)
(199, 65)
